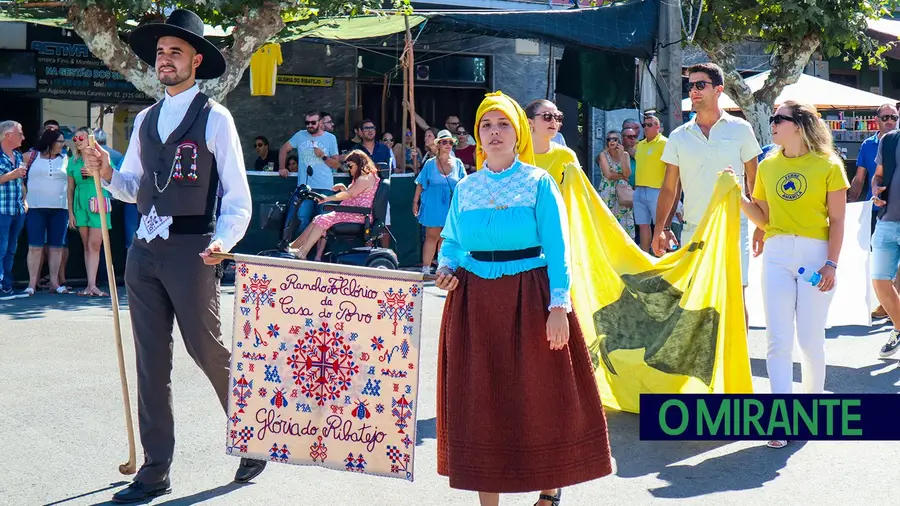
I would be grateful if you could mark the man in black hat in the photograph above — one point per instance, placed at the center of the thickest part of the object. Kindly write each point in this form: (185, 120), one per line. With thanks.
(181, 150)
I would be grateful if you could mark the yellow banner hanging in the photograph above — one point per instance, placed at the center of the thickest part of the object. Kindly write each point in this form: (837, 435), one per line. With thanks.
(669, 325)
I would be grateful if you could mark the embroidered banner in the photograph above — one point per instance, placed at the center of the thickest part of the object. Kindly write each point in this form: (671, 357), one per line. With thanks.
(325, 365)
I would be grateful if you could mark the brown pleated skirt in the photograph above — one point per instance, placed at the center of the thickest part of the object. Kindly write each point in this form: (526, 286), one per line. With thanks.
(514, 416)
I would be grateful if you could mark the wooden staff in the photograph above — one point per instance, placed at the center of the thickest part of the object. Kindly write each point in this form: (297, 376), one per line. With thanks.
(129, 467)
(412, 96)
(403, 63)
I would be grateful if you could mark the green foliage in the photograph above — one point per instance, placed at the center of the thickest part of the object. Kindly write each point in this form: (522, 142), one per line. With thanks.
(839, 24)
(224, 12)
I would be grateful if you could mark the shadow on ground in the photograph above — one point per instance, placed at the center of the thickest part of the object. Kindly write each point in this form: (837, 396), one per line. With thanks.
(111, 486)
(191, 499)
(635, 459)
(729, 471)
(880, 378)
(42, 302)
(426, 429)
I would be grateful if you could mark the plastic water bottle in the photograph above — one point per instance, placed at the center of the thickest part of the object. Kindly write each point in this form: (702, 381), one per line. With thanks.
(810, 276)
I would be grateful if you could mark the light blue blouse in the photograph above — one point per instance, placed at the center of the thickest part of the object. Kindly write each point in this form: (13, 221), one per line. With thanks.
(518, 208)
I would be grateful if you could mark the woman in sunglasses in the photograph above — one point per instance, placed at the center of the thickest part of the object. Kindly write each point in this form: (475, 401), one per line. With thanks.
(463, 150)
(544, 119)
(799, 200)
(45, 220)
(434, 190)
(84, 213)
(615, 163)
(361, 193)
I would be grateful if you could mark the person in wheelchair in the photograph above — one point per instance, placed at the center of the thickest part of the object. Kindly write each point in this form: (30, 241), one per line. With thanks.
(361, 193)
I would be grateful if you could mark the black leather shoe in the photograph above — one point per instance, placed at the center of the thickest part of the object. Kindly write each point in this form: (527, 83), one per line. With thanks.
(249, 469)
(138, 491)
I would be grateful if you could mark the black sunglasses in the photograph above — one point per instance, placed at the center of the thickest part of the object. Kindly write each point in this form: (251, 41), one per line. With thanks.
(612, 139)
(549, 116)
(312, 122)
(700, 85)
(890, 117)
(778, 118)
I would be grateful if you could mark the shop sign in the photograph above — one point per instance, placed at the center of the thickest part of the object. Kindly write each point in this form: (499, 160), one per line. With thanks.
(292, 80)
(66, 69)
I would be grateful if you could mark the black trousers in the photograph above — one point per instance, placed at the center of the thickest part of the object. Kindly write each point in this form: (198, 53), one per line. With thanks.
(167, 282)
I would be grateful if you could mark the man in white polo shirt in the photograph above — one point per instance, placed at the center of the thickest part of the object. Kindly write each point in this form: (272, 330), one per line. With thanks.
(696, 152)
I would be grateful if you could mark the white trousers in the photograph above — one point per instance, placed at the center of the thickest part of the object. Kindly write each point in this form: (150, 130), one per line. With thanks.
(788, 298)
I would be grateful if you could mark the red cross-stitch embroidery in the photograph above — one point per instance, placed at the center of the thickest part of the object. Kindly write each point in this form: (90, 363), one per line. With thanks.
(324, 364)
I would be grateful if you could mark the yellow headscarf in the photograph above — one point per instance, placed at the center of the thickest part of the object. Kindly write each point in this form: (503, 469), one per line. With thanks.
(497, 101)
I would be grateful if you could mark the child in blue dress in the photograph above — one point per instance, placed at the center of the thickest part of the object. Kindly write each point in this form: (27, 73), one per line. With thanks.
(518, 406)
(434, 189)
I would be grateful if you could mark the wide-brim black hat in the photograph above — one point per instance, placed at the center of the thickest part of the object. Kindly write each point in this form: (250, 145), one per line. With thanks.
(187, 26)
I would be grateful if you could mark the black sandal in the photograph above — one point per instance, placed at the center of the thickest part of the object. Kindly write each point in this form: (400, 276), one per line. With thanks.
(554, 499)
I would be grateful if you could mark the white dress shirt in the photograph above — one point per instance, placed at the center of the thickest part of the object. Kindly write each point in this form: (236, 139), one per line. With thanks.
(699, 159)
(221, 140)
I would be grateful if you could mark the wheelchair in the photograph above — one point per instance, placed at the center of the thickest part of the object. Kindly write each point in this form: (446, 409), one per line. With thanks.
(347, 243)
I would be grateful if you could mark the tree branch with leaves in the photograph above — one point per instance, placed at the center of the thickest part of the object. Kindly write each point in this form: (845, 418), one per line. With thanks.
(103, 24)
(794, 30)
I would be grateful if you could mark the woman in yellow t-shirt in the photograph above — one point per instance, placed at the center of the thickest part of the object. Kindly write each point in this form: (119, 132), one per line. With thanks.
(545, 120)
(799, 200)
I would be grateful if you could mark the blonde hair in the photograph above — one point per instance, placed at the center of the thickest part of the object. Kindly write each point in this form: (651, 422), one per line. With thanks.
(815, 133)
(75, 150)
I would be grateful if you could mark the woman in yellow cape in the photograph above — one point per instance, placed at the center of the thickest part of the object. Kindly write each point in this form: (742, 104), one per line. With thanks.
(519, 409)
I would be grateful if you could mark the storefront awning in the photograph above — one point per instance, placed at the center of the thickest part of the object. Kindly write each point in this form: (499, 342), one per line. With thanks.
(355, 28)
(886, 31)
(810, 90)
(627, 28)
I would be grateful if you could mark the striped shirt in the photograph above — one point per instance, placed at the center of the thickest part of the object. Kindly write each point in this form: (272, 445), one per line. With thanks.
(12, 193)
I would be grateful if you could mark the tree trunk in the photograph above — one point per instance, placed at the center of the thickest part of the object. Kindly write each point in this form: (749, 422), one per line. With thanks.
(787, 66)
(99, 29)
(251, 31)
(758, 115)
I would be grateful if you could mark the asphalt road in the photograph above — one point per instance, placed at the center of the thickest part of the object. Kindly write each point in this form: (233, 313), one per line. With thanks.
(64, 436)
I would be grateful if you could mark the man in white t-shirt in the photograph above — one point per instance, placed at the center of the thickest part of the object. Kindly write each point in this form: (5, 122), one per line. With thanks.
(695, 154)
(317, 152)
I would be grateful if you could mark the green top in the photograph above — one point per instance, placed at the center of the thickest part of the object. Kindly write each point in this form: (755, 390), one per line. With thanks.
(84, 192)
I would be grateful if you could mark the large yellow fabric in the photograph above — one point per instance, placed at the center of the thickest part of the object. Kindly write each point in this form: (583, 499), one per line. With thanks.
(796, 190)
(555, 161)
(497, 101)
(669, 325)
(263, 69)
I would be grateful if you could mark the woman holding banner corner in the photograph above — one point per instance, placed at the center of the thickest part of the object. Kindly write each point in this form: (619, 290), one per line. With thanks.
(519, 406)
(799, 200)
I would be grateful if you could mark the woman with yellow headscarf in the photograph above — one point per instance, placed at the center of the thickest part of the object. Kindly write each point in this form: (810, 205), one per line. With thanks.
(519, 409)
